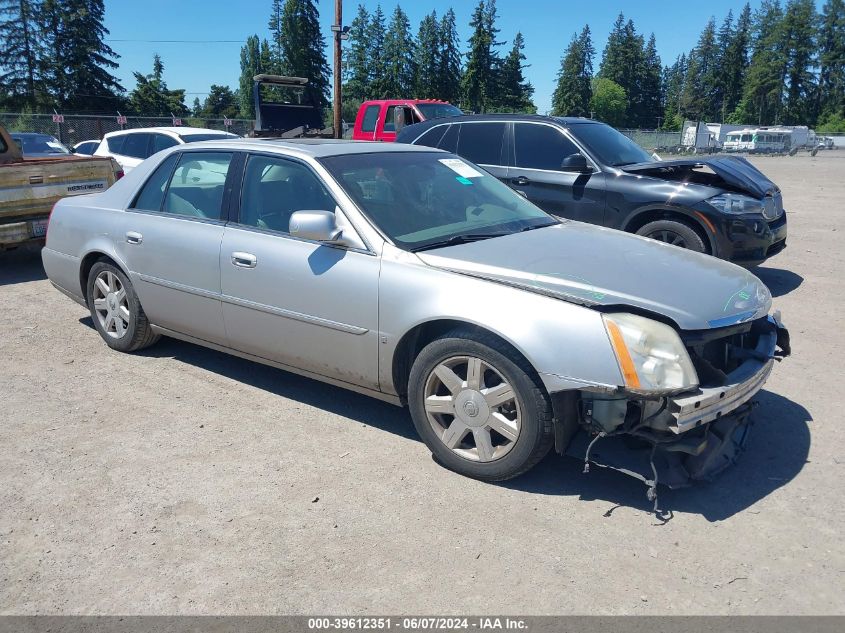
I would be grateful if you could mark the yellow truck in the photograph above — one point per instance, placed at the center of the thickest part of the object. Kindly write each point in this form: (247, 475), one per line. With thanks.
(29, 187)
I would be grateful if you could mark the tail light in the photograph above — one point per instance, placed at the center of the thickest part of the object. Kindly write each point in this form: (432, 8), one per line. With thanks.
(118, 175)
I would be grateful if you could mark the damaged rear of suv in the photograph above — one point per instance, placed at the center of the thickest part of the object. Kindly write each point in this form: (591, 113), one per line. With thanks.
(585, 170)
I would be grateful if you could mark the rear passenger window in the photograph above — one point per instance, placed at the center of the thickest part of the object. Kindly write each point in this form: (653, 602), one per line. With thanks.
(137, 145)
(449, 142)
(152, 195)
(482, 142)
(196, 188)
(370, 118)
(275, 188)
(541, 147)
(433, 136)
(162, 141)
(115, 143)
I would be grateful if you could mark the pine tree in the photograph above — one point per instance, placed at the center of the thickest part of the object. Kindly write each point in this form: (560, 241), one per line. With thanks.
(256, 59)
(700, 89)
(762, 99)
(19, 53)
(734, 63)
(151, 96)
(651, 86)
(375, 38)
(515, 91)
(220, 103)
(428, 53)
(479, 80)
(276, 35)
(724, 39)
(449, 60)
(623, 62)
(799, 29)
(399, 56)
(75, 69)
(673, 89)
(196, 108)
(573, 91)
(831, 93)
(357, 72)
(303, 48)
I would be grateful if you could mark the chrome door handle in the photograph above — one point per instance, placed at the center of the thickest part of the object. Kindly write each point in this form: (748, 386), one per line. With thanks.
(133, 237)
(244, 260)
(521, 180)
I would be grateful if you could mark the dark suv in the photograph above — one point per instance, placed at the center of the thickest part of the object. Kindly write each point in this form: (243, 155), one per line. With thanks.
(585, 170)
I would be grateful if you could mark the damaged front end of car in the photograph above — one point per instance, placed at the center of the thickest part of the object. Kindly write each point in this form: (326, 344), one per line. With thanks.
(681, 436)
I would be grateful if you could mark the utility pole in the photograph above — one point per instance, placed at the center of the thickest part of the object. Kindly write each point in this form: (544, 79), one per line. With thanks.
(339, 36)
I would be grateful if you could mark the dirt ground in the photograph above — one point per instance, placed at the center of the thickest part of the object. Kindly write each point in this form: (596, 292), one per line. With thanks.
(185, 481)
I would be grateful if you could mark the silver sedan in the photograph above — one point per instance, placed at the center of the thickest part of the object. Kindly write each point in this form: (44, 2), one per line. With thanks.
(414, 276)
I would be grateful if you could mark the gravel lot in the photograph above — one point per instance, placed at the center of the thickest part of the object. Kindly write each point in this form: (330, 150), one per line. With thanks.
(181, 480)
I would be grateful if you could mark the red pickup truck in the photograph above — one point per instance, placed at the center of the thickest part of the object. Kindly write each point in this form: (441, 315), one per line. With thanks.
(381, 120)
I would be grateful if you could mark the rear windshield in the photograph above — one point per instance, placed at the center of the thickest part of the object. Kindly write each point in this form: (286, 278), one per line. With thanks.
(196, 138)
(41, 145)
(437, 110)
(609, 146)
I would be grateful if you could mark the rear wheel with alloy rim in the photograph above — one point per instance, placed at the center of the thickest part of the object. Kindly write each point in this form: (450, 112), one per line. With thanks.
(479, 407)
(116, 310)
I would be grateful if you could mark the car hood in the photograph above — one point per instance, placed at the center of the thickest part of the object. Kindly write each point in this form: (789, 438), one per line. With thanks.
(735, 171)
(594, 266)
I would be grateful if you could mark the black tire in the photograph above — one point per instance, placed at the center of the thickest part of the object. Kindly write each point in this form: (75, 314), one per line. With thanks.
(138, 334)
(536, 434)
(675, 233)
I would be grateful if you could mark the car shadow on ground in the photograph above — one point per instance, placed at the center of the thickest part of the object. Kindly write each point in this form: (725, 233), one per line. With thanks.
(778, 280)
(776, 451)
(21, 265)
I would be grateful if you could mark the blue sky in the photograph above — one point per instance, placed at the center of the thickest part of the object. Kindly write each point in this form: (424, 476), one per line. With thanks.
(547, 26)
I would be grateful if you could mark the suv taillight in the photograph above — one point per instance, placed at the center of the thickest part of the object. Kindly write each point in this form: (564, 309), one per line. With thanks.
(118, 175)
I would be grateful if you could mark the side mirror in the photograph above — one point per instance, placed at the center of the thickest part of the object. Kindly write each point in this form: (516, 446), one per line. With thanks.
(399, 118)
(320, 226)
(576, 163)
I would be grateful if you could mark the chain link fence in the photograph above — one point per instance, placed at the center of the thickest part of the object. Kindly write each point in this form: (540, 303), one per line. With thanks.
(652, 140)
(83, 127)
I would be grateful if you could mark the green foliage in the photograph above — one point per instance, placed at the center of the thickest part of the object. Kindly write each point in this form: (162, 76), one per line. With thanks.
(302, 47)
(151, 97)
(514, 91)
(220, 103)
(357, 55)
(624, 62)
(399, 57)
(609, 101)
(427, 78)
(831, 41)
(573, 91)
(377, 67)
(20, 53)
(479, 78)
(831, 123)
(449, 60)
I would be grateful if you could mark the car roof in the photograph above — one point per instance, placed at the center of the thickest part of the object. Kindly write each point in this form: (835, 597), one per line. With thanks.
(316, 148)
(180, 131)
(560, 120)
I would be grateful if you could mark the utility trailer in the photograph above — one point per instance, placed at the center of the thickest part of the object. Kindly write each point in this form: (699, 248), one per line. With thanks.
(283, 109)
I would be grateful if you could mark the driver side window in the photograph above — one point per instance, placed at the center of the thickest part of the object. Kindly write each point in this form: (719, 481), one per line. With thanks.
(274, 189)
(540, 147)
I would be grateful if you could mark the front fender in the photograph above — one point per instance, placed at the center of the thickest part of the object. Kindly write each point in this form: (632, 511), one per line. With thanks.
(566, 344)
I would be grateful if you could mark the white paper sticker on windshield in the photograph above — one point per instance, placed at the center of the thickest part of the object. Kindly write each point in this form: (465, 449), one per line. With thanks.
(461, 168)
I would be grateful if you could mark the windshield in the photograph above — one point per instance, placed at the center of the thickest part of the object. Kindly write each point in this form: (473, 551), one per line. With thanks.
(420, 200)
(40, 145)
(609, 146)
(437, 110)
(196, 138)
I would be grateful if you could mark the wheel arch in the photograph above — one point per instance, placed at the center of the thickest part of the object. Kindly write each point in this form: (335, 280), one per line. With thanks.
(87, 263)
(650, 214)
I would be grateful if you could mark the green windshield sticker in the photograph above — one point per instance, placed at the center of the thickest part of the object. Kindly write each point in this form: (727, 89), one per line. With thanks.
(463, 181)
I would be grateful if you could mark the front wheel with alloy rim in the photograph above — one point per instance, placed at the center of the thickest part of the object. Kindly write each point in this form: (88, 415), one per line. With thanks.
(674, 233)
(116, 310)
(479, 406)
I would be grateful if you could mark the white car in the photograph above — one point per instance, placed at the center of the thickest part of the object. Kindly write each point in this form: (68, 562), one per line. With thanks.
(86, 148)
(130, 147)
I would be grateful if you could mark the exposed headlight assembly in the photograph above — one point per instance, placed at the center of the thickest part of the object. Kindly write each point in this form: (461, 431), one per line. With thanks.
(651, 355)
(737, 204)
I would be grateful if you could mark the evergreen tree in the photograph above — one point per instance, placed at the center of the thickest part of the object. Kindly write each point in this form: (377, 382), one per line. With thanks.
(724, 38)
(799, 31)
(449, 60)
(515, 91)
(479, 80)
(151, 97)
(831, 93)
(623, 62)
(196, 108)
(701, 88)
(673, 89)
(255, 60)
(76, 67)
(762, 99)
(19, 53)
(734, 63)
(399, 56)
(651, 86)
(303, 48)
(276, 34)
(427, 77)
(357, 72)
(573, 91)
(220, 103)
(376, 36)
